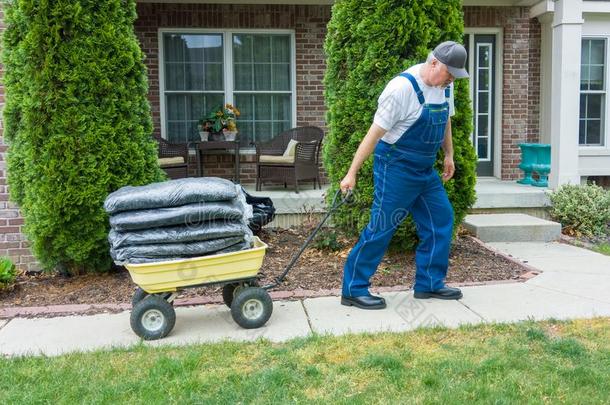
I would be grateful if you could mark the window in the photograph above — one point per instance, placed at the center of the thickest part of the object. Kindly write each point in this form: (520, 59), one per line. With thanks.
(262, 88)
(194, 83)
(253, 71)
(592, 92)
(483, 90)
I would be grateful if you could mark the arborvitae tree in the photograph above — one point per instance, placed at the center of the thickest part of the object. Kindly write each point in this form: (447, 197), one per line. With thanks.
(368, 43)
(77, 121)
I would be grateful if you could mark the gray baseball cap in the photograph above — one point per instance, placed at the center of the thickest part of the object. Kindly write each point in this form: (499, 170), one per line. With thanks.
(452, 55)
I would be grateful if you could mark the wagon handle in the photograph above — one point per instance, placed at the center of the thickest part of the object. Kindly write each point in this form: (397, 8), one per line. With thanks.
(348, 198)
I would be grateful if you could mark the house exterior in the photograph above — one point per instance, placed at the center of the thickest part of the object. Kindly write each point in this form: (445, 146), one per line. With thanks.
(538, 74)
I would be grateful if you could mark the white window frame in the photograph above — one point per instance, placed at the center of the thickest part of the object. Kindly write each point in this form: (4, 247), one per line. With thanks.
(228, 65)
(604, 147)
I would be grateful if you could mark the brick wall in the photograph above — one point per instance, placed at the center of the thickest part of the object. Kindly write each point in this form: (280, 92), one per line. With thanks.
(533, 127)
(12, 240)
(521, 79)
(309, 24)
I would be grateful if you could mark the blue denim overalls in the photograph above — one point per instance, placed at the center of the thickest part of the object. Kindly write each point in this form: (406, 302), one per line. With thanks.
(405, 182)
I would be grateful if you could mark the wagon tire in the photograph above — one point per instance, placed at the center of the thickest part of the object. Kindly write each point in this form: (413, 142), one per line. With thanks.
(138, 296)
(152, 318)
(252, 307)
(228, 290)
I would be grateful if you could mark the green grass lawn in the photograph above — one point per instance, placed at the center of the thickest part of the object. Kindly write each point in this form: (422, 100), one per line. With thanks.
(531, 362)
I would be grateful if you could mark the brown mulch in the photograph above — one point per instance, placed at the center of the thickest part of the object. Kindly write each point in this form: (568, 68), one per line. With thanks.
(315, 270)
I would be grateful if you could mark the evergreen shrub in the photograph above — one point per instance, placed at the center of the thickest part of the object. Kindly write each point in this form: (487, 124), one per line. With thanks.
(581, 210)
(8, 273)
(367, 44)
(77, 121)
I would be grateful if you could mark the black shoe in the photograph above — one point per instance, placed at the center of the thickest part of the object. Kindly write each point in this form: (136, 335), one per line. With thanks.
(364, 302)
(445, 293)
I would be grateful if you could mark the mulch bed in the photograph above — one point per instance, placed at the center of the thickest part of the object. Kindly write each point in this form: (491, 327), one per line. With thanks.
(470, 262)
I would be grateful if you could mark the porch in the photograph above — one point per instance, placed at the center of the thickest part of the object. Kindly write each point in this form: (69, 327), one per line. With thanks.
(493, 196)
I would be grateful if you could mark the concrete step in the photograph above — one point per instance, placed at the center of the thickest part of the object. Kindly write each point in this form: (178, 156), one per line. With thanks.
(497, 194)
(511, 228)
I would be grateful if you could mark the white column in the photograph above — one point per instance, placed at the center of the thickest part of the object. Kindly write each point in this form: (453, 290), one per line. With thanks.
(565, 90)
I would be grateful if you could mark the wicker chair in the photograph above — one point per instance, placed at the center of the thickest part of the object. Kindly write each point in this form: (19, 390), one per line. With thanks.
(173, 158)
(273, 164)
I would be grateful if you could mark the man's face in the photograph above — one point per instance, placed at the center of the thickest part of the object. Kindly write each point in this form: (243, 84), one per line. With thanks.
(440, 75)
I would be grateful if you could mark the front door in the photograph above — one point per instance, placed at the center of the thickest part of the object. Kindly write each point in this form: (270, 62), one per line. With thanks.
(481, 66)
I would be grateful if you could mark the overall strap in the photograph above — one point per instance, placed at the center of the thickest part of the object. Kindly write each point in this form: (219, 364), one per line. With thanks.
(447, 91)
(420, 94)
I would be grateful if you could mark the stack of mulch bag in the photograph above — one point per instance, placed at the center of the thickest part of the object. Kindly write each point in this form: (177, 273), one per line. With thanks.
(177, 219)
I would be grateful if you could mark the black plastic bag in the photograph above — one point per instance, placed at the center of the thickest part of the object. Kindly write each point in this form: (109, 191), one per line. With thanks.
(171, 193)
(262, 209)
(199, 248)
(178, 234)
(186, 215)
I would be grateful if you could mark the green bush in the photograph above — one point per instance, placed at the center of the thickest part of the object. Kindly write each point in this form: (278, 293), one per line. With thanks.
(327, 240)
(77, 122)
(368, 43)
(8, 272)
(581, 210)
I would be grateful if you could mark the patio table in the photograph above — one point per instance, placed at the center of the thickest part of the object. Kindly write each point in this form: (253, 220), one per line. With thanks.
(218, 145)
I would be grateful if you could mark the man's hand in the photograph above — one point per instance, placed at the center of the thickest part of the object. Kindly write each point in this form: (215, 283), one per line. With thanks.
(348, 183)
(449, 168)
(366, 147)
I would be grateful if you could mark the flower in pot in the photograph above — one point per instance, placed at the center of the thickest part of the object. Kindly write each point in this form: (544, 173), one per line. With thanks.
(204, 129)
(230, 131)
(220, 121)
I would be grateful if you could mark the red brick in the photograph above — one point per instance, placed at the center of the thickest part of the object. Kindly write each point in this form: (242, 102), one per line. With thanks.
(521, 81)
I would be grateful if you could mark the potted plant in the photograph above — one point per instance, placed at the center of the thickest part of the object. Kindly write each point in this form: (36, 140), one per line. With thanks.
(204, 130)
(220, 123)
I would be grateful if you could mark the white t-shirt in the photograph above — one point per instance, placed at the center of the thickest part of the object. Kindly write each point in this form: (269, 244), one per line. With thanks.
(398, 107)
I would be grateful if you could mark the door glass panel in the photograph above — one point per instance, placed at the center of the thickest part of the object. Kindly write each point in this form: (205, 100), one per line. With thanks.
(483, 79)
(482, 148)
(483, 100)
(483, 58)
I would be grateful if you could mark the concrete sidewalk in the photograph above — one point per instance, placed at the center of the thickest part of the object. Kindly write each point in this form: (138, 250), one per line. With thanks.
(575, 283)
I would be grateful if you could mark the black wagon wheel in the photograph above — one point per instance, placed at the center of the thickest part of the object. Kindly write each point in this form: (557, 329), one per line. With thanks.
(251, 307)
(140, 294)
(229, 291)
(153, 317)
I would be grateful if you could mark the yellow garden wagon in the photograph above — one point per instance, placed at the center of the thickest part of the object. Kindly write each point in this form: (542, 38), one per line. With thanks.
(153, 315)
